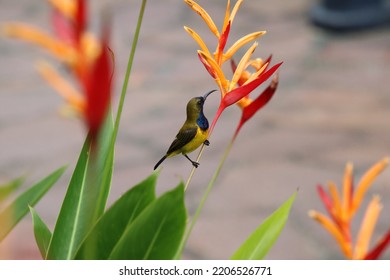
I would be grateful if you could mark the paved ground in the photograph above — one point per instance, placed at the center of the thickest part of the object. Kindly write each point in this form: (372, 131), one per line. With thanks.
(332, 106)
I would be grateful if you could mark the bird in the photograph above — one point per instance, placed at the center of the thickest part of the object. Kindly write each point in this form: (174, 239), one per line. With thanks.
(193, 133)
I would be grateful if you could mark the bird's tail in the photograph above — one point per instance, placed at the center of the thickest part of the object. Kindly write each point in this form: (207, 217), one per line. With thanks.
(159, 162)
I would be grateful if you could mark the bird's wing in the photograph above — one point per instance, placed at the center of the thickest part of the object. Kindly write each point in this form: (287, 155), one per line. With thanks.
(182, 138)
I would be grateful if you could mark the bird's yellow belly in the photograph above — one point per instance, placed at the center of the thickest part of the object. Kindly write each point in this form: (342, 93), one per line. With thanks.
(198, 140)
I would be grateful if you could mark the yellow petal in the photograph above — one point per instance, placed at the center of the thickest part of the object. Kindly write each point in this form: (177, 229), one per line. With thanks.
(33, 35)
(241, 42)
(67, 91)
(347, 192)
(255, 75)
(198, 39)
(235, 9)
(242, 65)
(221, 80)
(334, 231)
(367, 228)
(66, 7)
(366, 181)
(205, 16)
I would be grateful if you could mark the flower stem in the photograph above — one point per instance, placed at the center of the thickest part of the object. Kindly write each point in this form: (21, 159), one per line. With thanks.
(128, 70)
(205, 196)
(217, 115)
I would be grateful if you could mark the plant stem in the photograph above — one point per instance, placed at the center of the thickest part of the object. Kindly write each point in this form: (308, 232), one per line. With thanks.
(205, 196)
(128, 70)
(217, 115)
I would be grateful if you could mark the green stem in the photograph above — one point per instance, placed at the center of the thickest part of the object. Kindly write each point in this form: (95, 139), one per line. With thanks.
(108, 162)
(128, 70)
(204, 198)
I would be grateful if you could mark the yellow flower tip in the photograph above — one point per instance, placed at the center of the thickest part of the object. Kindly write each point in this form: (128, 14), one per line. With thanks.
(313, 214)
(275, 81)
(4, 30)
(385, 161)
(204, 15)
(367, 180)
(65, 7)
(367, 227)
(62, 86)
(244, 102)
(12, 29)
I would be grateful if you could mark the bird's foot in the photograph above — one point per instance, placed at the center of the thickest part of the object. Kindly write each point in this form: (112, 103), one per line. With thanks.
(206, 142)
(194, 163)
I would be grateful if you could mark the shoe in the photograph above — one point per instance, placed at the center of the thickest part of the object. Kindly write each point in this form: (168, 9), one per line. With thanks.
(348, 15)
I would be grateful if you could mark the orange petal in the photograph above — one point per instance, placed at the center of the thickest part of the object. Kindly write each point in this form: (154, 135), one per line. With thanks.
(227, 16)
(244, 102)
(220, 79)
(367, 228)
(335, 198)
(241, 42)
(204, 15)
(334, 231)
(242, 65)
(347, 192)
(198, 39)
(90, 47)
(66, 7)
(68, 92)
(366, 181)
(33, 35)
(256, 63)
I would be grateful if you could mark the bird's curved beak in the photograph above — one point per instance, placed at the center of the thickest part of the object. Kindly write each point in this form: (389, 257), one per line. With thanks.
(207, 94)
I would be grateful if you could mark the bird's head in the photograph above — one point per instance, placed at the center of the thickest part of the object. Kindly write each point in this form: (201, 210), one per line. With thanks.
(195, 105)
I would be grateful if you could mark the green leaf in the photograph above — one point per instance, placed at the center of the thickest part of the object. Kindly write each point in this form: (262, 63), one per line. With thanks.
(66, 232)
(105, 165)
(8, 188)
(156, 233)
(110, 228)
(262, 239)
(86, 196)
(41, 232)
(11, 215)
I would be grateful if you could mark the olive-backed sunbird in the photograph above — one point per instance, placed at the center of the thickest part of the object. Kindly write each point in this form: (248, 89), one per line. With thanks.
(193, 133)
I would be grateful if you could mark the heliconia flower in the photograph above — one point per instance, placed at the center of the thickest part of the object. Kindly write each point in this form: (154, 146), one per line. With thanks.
(98, 88)
(72, 44)
(236, 89)
(89, 60)
(342, 208)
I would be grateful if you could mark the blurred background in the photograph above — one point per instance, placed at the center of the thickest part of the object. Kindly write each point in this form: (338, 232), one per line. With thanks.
(331, 107)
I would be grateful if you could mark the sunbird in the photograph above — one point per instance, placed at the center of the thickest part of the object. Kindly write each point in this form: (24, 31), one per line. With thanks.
(193, 133)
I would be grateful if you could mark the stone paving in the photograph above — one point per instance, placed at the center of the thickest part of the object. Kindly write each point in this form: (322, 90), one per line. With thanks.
(331, 107)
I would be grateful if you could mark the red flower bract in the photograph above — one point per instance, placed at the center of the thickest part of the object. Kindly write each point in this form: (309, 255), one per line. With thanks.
(98, 88)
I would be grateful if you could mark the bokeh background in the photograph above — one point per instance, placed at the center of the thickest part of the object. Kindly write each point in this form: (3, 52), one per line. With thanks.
(332, 106)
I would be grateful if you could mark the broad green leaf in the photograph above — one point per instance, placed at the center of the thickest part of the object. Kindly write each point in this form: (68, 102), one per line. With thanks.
(11, 215)
(8, 188)
(86, 196)
(262, 239)
(109, 229)
(156, 232)
(41, 232)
